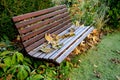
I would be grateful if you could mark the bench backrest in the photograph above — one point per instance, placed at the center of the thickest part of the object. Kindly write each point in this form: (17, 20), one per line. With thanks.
(33, 26)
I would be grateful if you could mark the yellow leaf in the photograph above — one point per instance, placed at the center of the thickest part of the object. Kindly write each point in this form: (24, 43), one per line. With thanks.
(18, 37)
(48, 38)
(82, 44)
(77, 23)
(2, 44)
(46, 49)
(77, 51)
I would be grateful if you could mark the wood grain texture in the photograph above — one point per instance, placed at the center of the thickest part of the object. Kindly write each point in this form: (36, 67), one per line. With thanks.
(33, 14)
(74, 45)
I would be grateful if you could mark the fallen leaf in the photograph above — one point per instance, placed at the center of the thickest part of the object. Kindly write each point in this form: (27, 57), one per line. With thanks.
(18, 37)
(70, 34)
(56, 45)
(2, 44)
(46, 48)
(48, 38)
(79, 60)
(116, 61)
(77, 51)
(97, 74)
(68, 59)
(9, 77)
(2, 78)
(95, 66)
(77, 23)
(118, 51)
(118, 78)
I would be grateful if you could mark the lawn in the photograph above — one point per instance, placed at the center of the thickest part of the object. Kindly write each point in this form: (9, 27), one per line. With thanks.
(101, 62)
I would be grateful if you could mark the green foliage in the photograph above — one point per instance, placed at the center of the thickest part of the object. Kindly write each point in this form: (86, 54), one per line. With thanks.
(14, 65)
(10, 8)
(35, 77)
(114, 13)
(89, 12)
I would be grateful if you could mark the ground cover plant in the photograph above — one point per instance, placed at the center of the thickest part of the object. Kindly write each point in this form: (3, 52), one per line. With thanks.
(100, 63)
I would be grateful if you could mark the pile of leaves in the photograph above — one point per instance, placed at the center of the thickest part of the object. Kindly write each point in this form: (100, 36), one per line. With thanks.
(89, 42)
(53, 41)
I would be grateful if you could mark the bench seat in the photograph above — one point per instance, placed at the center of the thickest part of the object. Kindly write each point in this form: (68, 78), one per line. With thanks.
(33, 26)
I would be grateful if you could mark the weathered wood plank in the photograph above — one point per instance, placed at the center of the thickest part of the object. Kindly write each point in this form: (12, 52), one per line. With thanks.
(34, 51)
(40, 27)
(43, 29)
(61, 41)
(36, 44)
(74, 45)
(33, 14)
(65, 42)
(39, 18)
(49, 30)
(68, 44)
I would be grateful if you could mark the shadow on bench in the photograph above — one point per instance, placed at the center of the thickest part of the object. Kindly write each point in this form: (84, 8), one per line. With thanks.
(33, 26)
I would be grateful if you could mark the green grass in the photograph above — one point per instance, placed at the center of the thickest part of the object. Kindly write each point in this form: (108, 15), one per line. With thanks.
(98, 61)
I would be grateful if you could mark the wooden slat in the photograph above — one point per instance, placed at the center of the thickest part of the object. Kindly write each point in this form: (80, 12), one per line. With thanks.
(74, 45)
(48, 30)
(34, 51)
(36, 44)
(42, 29)
(38, 53)
(80, 29)
(32, 14)
(64, 29)
(47, 27)
(39, 18)
(56, 54)
(64, 41)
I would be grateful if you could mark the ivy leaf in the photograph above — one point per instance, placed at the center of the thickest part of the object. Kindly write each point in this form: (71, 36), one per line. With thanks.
(35, 77)
(22, 72)
(27, 69)
(20, 57)
(14, 59)
(5, 53)
(38, 77)
(7, 61)
(27, 61)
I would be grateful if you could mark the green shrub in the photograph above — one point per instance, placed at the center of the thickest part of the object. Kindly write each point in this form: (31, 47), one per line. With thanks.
(114, 13)
(10, 8)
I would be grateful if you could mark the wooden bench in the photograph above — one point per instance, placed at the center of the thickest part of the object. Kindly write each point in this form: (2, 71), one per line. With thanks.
(33, 26)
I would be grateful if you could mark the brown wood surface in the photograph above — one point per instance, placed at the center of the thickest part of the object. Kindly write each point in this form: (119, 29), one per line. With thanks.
(46, 27)
(33, 14)
(49, 30)
(37, 43)
(39, 18)
(61, 31)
